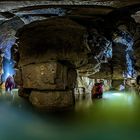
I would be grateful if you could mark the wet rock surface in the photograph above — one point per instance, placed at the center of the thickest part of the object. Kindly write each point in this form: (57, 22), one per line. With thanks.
(52, 51)
(51, 77)
(47, 40)
(137, 48)
(52, 100)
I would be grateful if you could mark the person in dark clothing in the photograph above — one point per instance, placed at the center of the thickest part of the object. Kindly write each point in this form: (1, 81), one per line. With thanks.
(97, 90)
(9, 84)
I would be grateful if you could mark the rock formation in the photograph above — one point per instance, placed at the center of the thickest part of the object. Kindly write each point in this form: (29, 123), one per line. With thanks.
(60, 42)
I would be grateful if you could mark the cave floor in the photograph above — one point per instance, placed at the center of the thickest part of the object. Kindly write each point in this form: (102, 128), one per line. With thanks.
(115, 116)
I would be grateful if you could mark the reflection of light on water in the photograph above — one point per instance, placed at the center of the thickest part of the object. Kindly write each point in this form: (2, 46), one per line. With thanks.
(11, 95)
(117, 94)
(107, 96)
(120, 98)
(112, 94)
(130, 99)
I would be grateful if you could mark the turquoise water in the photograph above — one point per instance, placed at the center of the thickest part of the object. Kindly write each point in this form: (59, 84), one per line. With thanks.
(116, 116)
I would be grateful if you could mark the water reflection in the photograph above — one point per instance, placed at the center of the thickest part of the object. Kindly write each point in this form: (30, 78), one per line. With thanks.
(115, 116)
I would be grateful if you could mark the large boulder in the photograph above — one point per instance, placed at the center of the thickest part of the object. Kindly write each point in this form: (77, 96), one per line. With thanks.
(48, 76)
(53, 39)
(52, 100)
(48, 53)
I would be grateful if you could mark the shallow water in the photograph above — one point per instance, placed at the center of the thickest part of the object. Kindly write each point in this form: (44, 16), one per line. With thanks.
(116, 116)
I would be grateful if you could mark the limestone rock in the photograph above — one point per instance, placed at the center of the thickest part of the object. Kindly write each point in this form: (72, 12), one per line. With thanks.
(116, 84)
(48, 76)
(18, 77)
(47, 40)
(48, 100)
(136, 54)
(104, 73)
(24, 92)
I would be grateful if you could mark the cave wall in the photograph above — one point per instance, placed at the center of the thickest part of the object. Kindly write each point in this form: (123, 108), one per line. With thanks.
(50, 52)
